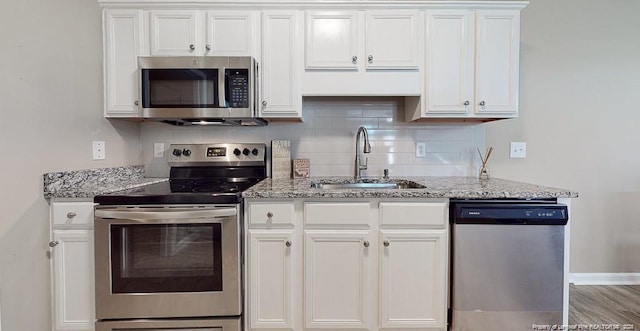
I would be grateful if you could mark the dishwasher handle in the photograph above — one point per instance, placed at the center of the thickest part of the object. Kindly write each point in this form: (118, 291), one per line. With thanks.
(510, 214)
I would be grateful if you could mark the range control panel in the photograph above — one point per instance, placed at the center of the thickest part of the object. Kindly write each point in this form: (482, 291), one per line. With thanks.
(238, 153)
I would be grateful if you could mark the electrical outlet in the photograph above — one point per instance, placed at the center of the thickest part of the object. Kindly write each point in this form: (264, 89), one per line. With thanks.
(99, 150)
(158, 150)
(421, 149)
(518, 150)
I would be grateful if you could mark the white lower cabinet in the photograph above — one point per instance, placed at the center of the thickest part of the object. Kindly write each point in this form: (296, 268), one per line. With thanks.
(352, 264)
(337, 279)
(72, 266)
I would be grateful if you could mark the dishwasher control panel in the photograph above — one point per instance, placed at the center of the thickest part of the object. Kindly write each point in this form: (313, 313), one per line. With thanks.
(496, 213)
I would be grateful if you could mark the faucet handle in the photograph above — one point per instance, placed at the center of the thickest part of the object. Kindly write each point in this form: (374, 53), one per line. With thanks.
(363, 166)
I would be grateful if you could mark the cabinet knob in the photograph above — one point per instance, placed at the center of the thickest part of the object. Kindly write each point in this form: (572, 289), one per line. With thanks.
(264, 103)
(71, 214)
(192, 46)
(466, 103)
(53, 243)
(386, 243)
(288, 243)
(482, 103)
(136, 102)
(366, 243)
(354, 59)
(269, 214)
(207, 47)
(370, 58)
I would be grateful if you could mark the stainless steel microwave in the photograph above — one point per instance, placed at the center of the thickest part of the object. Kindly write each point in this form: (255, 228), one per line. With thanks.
(199, 90)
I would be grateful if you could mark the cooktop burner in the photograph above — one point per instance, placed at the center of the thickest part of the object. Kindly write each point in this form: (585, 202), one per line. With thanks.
(200, 174)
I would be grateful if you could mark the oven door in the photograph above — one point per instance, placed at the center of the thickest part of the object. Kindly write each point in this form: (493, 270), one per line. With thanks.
(172, 261)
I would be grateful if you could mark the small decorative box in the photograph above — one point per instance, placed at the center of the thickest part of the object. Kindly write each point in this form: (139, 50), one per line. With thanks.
(301, 168)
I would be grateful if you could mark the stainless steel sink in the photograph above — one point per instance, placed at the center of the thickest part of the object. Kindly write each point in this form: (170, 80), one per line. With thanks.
(402, 184)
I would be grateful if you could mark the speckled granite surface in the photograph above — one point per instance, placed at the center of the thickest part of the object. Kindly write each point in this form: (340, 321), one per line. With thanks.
(90, 182)
(435, 187)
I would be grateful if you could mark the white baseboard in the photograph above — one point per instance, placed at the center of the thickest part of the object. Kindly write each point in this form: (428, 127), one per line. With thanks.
(604, 278)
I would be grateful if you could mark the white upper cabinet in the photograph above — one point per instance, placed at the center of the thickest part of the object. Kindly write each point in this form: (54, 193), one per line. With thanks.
(392, 39)
(232, 33)
(174, 32)
(356, 40)
(281, 64)
(472, 64)
(332, 40)
(497, 61)
(193, 32)
(123, 43)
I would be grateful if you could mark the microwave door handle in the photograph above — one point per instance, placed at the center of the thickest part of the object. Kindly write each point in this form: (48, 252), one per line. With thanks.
(222, 88)
(156, 215)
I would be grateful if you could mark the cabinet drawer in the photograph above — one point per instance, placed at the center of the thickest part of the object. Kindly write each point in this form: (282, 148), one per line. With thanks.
(413, 213)
(339, 213)
(271, 213)
(72, 213)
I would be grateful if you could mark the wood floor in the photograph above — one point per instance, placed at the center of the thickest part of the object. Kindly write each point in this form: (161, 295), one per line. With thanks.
(605, 305)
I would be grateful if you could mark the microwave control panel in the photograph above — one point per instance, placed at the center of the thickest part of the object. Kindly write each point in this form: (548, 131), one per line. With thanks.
(237, 83)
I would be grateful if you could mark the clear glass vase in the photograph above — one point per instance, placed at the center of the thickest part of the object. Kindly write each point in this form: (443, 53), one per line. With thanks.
(484, 173)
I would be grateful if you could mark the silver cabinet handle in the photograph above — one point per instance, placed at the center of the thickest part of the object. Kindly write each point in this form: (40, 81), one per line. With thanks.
(264, 103)
(207, 47)
(354, 59)
(288, 243)
(53, 243)
(466, 103)
(192, 46)
(370, 58)
(269, 214)
(386, 243)
(482, 103)
(366, 243)
(71, 214)
(136, 102)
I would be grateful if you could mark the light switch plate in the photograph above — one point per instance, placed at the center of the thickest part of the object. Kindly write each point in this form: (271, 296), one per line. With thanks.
(99, 150)
(158, 150)
(518, 150)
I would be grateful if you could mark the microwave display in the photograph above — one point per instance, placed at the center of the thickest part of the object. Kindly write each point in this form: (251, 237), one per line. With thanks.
(172, 88)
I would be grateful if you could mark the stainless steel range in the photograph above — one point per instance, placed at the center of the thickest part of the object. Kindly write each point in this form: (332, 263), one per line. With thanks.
(169, 255)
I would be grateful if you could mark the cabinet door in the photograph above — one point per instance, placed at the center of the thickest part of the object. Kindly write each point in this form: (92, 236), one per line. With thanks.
(231, 33)
(497, 61)
(174, 32)
(392, 39)
(413, 279)
(449, 65)
(337, 278)
(281, 56)
(270, 275)
(123, 43)
(73, 280)
(332, 40)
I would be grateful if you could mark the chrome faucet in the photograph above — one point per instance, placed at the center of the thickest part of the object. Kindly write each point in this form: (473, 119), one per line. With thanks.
(367, 149)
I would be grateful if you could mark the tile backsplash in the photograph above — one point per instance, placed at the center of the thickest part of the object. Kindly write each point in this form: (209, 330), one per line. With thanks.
(327, 138)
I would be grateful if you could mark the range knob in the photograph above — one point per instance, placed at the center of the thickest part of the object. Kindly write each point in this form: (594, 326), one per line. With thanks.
(246, 151)
(254, 151)
(186, 152)
(237, 152)
(177, 152)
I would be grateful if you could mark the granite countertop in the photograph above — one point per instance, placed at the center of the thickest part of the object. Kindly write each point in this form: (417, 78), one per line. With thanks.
(436, 187)
(88, 183)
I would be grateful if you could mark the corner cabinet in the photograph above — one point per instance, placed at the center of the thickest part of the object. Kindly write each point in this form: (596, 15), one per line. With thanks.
(350, 264)
(72, 266)
(471, 65)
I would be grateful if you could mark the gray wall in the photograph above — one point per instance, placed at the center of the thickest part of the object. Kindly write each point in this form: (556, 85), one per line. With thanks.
(580, 82)
(51, 107)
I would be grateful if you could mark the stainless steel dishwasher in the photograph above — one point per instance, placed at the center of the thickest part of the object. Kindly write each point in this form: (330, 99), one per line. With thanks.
(507, 264)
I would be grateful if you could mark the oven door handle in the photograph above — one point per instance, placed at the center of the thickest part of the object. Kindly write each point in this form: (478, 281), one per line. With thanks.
(160, 215)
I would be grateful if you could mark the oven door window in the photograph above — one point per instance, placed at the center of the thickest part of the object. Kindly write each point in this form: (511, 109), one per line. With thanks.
(159, 258)
(180, 88)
